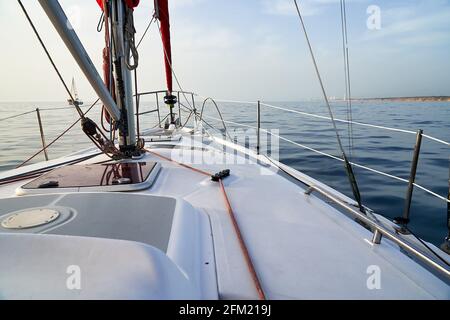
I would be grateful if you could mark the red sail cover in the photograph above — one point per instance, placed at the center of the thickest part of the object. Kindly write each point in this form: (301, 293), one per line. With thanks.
(130, 3)
(162, 9)
(106, 57)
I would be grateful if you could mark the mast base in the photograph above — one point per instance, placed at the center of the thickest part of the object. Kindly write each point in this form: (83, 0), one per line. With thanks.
(171, 101)
(133, 151)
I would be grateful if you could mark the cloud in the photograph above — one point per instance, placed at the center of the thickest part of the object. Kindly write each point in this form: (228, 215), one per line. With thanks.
(287, 8)
(307, 7)
(198, 38)
(177, 4)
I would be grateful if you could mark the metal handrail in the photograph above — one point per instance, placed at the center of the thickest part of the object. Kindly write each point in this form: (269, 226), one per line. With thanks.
(156, 94)
(379, 230)
(38, 112)
(164, 91)
(336, 119)
(333, 157)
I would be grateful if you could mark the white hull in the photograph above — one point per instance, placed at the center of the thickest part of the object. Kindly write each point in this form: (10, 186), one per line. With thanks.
(300, 246)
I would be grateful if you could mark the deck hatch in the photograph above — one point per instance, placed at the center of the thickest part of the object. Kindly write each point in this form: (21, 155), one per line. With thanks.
(30, 218)
(116, 177)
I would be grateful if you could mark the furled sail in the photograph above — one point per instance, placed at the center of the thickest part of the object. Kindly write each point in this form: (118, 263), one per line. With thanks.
(106, 51)
(162, 14)
(130, 3)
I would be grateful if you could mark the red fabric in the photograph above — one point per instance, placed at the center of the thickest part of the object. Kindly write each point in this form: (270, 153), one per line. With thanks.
(130, 3)
(163, 12)
(106, 60)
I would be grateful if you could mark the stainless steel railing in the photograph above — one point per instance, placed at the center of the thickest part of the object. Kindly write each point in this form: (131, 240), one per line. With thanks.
(157, 109)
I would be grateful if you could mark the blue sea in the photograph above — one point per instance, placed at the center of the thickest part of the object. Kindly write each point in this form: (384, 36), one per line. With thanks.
(387, 151)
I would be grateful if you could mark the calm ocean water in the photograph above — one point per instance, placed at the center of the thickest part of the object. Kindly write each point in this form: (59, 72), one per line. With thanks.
(387, 151)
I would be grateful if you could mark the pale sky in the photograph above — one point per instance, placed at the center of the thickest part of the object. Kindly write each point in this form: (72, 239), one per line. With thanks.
(245, 49)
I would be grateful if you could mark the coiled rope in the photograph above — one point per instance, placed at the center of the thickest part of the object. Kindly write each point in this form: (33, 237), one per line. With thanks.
(129, 35)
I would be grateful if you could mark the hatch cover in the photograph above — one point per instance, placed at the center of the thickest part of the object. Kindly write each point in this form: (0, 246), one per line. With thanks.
(30, 218)
(118, 177)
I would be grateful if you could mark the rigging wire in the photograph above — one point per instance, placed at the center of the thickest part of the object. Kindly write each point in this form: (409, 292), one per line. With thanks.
(17, 115)
(136, 95)
(80, 112)
(348, 92)
(89, 127)
(146, 30)
(136, 86)
(348, 166)
(427, 247)
(58, 137)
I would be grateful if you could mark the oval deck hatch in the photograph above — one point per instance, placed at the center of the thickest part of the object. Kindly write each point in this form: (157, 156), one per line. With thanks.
(30, 218)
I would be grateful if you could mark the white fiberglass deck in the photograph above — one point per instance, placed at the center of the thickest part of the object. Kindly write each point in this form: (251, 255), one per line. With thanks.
(301, 247)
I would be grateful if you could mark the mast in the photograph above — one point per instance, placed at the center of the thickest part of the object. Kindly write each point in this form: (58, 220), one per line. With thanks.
(62, 25)
(120, 13)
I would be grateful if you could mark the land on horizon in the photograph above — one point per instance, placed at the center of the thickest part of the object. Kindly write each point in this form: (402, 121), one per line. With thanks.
(408, 99)
(338, 99)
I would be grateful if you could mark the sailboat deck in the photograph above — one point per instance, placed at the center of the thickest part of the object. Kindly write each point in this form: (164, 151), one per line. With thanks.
(301, 247)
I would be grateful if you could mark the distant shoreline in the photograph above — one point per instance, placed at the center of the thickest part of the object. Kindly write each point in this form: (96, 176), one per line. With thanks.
(407, 99)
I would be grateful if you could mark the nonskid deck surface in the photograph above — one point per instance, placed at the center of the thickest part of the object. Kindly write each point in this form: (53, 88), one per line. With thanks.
(301, 247)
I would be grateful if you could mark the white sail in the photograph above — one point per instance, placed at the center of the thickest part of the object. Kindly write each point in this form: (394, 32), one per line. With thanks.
(74, 90)
(74, 93)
